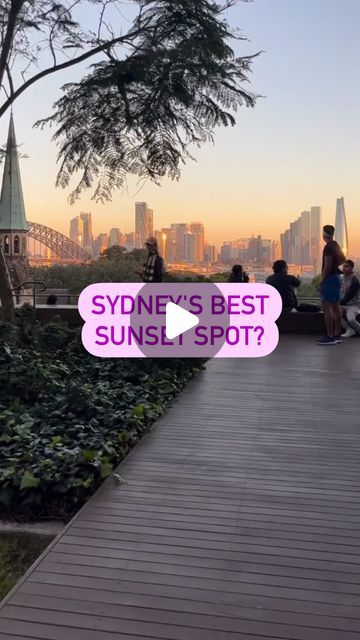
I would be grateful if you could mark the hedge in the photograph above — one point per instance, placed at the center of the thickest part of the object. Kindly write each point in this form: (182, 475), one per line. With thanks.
(67, 419)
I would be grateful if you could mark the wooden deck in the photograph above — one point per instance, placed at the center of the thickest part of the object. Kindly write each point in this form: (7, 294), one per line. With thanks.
(240, 518)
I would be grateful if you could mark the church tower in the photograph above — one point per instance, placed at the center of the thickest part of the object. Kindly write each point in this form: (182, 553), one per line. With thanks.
(13, 224)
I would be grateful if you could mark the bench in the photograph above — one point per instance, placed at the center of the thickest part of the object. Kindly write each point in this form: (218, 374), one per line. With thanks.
(301, 322)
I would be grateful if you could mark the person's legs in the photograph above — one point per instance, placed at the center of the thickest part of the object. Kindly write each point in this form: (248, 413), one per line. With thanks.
(330, 296)
(344, 322)
(351, 314)
(337, 316)
(328, 319)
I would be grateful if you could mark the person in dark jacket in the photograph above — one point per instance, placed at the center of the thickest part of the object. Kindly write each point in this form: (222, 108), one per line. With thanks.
(350, 300)
(238, 275)
(285, 285)
(153, 268)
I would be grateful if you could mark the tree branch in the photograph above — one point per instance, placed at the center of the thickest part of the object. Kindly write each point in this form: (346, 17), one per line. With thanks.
(15, 9)
(65, 65)
(10, 80)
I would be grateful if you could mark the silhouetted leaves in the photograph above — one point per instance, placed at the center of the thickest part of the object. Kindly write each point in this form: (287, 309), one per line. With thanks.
(140, 113)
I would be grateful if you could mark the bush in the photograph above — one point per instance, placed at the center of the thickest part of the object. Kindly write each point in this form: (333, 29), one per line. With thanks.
(67, 418)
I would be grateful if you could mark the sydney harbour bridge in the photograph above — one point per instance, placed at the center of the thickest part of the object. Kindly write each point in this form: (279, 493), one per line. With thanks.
(62, 249)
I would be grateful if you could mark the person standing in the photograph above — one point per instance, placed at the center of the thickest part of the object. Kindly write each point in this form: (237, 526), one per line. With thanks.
(350, 300)
(154, 267)
(333, 258)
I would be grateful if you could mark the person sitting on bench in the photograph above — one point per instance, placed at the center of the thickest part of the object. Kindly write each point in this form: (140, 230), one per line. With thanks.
(350, 300)
(286, 285)
(238, 274)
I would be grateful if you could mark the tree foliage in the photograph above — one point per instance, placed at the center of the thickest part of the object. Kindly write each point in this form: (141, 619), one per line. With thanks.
(137, 112)
(157, 86)
(114, 265)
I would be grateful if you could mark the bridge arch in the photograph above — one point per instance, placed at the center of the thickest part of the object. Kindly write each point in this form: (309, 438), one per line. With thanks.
(59, 244)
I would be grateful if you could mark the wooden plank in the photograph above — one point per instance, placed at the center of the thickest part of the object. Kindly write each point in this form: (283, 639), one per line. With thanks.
(176, 624)
(209, 558)
(274, 611)
(210, 566)
(105, 623)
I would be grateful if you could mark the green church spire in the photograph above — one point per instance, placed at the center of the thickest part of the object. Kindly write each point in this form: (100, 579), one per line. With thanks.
(12, 207)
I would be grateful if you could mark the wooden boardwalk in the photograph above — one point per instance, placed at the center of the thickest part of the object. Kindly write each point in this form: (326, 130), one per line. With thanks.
(240, 518)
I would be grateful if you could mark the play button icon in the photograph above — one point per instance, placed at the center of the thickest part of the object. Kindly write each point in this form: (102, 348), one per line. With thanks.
(165, 313)
(178, 321)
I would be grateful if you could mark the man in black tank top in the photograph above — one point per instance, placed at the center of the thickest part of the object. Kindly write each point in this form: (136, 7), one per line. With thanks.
(333, 258)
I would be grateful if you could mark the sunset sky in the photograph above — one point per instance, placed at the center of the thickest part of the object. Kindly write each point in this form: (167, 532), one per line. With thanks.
(299, 147)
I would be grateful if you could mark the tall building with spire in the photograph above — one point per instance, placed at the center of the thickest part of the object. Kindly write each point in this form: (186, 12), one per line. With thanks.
(341, 231)
(13, 224)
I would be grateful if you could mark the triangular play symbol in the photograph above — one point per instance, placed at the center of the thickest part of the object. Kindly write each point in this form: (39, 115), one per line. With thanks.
(178, 320)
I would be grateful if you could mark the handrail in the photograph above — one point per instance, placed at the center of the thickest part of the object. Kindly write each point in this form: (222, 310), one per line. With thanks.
(33, 283)
(23, 284)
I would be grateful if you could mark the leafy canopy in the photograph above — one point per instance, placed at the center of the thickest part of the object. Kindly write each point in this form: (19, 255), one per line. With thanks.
(160, 82)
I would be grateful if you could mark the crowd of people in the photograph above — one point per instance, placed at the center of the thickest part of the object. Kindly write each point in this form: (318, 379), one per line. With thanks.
(339, 287)
(339, 291)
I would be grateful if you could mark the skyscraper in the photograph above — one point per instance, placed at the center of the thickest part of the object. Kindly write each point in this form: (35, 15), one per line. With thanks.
(210, 253)
(130, 241)
(77, 230)
(189, 247)
(197, 230)
(300, 244)
(101, 244)
(275, 251)
(315, 238)
(150, 222)
(341, 231)
(235, 251)
(285, 245)
(164, 240)
(88, 240)
(305, 237)
(144, 223)
(179, 231)
(115, 238)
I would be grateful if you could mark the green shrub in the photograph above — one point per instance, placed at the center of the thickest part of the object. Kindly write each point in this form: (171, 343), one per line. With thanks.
(67, 418)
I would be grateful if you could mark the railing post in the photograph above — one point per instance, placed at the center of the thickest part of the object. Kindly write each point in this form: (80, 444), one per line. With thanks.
(24, 284)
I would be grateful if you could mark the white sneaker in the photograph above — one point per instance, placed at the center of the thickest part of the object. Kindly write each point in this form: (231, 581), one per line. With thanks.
(349, 333)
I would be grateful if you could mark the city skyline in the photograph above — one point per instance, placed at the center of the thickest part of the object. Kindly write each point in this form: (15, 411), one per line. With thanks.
(300, 244)
(258, 175)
